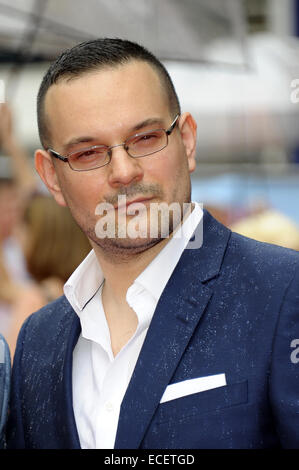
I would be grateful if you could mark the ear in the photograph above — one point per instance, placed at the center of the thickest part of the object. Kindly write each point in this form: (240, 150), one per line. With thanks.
(188, 126)
(46, 169)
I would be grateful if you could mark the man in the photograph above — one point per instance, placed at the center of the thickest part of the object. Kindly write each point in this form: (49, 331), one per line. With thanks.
(155, 344)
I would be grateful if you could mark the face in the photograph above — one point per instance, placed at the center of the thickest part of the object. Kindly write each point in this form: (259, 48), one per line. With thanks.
(106, 107)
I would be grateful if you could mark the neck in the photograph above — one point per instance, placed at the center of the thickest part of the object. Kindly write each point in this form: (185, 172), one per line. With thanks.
(120, 269)
(122, 266)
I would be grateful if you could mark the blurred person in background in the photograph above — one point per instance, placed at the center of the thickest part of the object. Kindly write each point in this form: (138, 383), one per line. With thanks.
(22, 172)
(15, 189)
(10, 217)
(40, 244)
(4, 387)
(270, 226)
(53, 246)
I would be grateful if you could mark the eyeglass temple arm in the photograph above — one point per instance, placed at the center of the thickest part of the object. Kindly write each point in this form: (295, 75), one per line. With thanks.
(169, 131)
(57, 155)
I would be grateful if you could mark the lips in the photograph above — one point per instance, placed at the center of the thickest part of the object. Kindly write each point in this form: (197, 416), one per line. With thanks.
(130, 204)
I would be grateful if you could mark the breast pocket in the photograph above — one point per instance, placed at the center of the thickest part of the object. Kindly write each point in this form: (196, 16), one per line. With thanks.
(203, 402)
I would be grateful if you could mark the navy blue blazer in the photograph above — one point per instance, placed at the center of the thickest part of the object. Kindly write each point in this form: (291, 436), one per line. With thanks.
(231, 306)
(4, 386)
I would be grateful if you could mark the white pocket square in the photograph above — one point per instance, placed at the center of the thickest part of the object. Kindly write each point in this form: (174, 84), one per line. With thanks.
(188, 387)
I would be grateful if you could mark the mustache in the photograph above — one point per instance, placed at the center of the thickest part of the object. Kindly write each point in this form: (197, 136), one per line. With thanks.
(136, 189)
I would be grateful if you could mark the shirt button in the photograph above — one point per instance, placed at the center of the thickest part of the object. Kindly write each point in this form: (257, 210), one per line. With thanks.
(109, 406)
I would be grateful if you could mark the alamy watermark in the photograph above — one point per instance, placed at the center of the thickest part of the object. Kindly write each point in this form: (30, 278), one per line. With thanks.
(295, 353)
(295, 92)
(137, 220)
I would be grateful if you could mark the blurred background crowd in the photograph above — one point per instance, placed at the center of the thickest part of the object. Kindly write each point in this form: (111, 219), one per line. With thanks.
(40, 244)
(235, 65)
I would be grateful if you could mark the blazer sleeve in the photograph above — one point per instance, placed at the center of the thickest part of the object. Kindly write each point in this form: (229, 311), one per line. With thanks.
(284, 372)
(5, 370)
(15, 432)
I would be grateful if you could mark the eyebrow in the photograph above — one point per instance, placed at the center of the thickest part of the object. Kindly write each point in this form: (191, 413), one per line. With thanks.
(136, 128)
(148, 122)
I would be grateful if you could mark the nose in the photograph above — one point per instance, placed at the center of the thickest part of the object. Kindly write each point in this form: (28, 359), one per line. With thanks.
(123, 169)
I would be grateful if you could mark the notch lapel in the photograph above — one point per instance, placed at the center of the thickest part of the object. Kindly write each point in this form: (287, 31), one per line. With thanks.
(169, 333)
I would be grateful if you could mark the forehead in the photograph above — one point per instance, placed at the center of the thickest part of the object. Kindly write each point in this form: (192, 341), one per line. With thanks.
(100, 99)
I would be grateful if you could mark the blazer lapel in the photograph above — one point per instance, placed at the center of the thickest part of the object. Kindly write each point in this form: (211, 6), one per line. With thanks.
(178, 312)
(169, 333)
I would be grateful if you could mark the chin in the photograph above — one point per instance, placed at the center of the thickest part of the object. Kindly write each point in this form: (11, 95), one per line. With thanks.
(126, 246)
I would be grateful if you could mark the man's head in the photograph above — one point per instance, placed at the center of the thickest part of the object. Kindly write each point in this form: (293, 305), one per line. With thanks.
(96, 55)
(106, 103)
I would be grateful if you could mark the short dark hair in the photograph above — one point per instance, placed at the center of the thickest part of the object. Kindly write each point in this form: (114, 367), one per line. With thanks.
(96, 54)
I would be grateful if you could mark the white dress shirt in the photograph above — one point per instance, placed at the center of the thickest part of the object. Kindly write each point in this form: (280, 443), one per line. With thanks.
(100, 380)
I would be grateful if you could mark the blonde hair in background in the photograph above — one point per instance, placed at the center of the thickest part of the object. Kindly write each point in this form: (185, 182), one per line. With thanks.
(55, 245)
(269, 226)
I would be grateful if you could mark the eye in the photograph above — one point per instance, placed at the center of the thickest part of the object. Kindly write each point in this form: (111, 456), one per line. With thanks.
(90, 154)
(146, 139)
(148, 136)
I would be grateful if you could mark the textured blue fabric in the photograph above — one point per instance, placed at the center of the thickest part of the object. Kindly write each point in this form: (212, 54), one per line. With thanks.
(230, 307)
(5, 370)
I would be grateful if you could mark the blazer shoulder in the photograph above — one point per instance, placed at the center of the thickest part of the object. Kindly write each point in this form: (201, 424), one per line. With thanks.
(240, 250)
(266, 256)
(48, 322)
